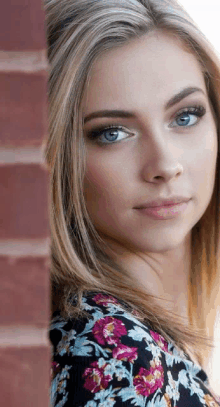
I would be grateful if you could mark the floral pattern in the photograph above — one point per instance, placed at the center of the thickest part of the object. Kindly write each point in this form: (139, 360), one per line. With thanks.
(112, 359)
(96, 379)
(104, 299)
(160, 341)
(123, 352)
(148, 381)
(108, 330)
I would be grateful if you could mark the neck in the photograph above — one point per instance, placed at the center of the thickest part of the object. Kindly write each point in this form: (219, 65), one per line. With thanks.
(164, 275)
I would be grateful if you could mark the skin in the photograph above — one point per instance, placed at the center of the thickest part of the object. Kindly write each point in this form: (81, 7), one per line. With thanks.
(152, 160)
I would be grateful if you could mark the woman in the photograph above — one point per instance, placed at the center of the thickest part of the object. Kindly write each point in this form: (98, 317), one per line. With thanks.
(133, 154)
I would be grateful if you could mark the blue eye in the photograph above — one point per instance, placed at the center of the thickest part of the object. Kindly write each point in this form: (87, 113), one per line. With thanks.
(109, 135)
(185, 119)
(189, 117)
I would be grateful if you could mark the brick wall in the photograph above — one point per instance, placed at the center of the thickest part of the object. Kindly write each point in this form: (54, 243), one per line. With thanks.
(24, 230)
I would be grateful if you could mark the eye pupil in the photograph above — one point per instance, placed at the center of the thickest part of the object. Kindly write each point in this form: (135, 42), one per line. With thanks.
(183, 119)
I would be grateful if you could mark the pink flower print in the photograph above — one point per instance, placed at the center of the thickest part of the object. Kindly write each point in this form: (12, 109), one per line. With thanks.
(95, 377)
(108, 330)
(160, 341)
(126, 353)
(148, 381)
(104, 299)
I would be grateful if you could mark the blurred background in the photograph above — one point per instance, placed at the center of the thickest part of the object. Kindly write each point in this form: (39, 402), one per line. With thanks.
(206, 14)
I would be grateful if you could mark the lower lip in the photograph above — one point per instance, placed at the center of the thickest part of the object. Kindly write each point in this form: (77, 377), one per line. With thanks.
(165, 212)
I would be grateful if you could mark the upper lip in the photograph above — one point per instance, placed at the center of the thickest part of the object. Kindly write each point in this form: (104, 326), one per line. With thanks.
(172, 200)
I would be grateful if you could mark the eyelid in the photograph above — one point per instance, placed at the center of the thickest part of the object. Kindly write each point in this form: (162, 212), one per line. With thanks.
(101, 128)
(192, 108)
(196, 107)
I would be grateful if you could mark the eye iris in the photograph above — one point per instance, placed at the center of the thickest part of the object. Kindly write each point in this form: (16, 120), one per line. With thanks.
(111, 135)
(183, 119)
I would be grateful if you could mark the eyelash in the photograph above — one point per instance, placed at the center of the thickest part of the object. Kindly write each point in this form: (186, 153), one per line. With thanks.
(198, 111)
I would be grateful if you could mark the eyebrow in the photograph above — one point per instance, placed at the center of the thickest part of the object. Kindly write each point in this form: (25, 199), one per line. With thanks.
(129, 115)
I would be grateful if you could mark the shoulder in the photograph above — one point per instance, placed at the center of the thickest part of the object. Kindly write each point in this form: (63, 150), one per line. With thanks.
(111, 358)
(107, 324)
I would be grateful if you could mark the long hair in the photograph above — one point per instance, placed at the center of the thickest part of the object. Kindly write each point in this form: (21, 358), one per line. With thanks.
(78, 33)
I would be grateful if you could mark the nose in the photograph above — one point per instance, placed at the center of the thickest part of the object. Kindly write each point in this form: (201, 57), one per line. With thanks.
(162, 162)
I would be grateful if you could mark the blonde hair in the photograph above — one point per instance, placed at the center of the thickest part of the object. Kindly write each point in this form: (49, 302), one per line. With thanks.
(78, 32)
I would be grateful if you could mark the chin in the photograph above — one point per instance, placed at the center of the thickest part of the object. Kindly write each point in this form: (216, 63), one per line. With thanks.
(158, 243)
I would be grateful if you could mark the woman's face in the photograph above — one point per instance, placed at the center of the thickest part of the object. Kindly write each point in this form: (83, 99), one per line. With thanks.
(163, 143)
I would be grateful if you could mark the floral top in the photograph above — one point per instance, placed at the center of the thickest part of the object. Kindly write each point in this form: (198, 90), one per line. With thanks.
(112, 359)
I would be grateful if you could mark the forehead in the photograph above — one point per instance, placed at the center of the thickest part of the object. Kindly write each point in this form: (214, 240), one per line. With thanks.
(150, 69)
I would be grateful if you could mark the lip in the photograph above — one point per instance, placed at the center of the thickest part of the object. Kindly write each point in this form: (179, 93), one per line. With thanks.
(168, 210)
(164, 202)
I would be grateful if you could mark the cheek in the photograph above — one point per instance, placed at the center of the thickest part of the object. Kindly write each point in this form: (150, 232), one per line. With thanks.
(203, 166)
(110, 175)
(94, 186)
(103, 186)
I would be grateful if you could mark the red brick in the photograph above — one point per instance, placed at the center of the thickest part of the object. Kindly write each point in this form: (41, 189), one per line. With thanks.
(23, 108)
(24, 291)
(25, 376)
(24, 201)
(22, 25)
